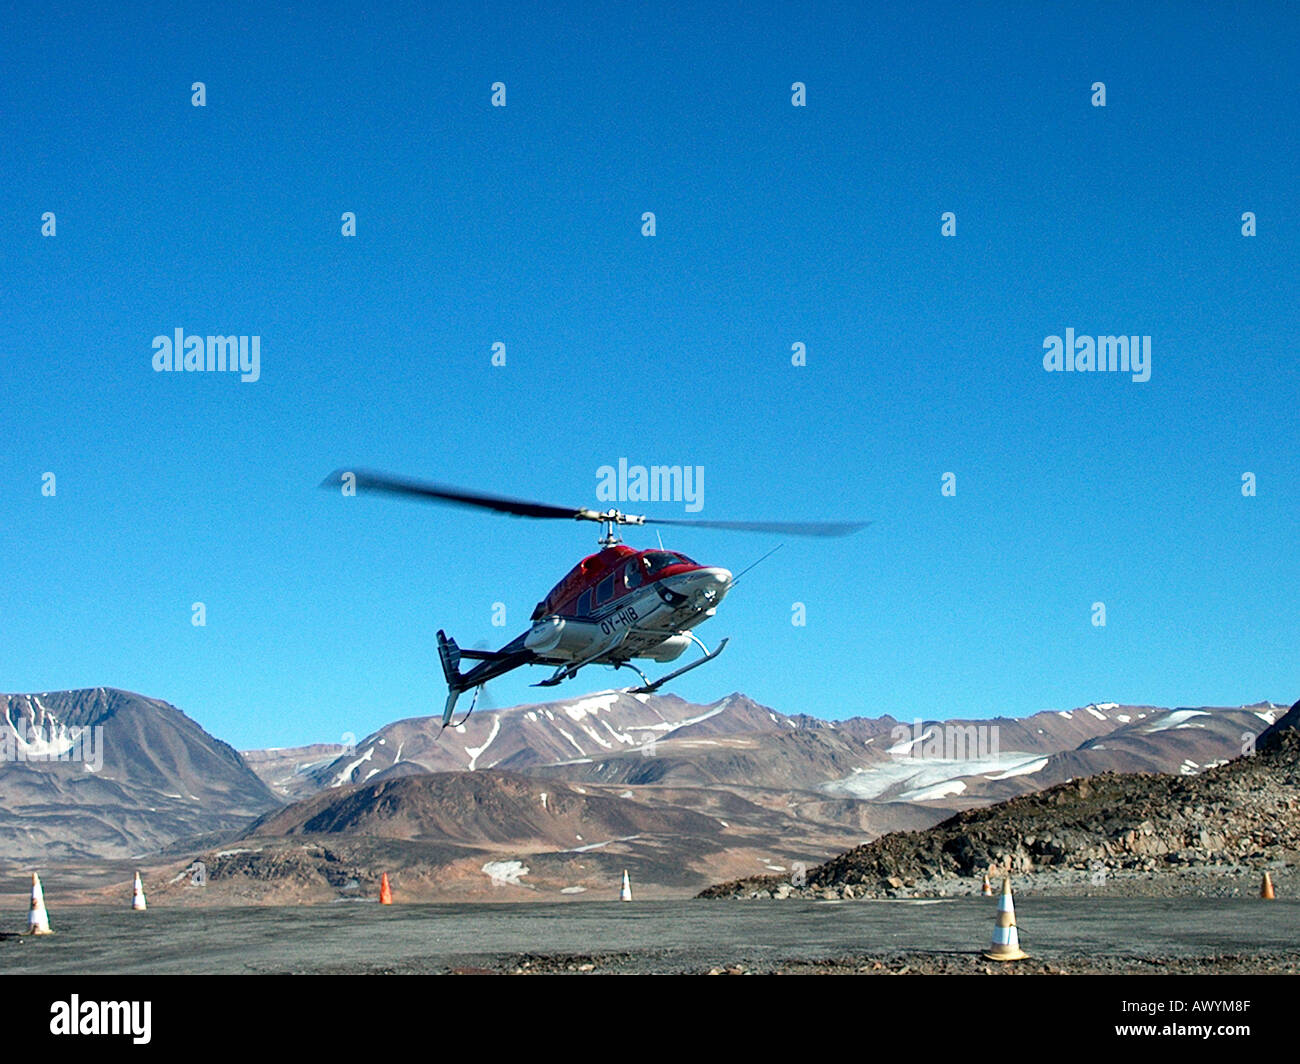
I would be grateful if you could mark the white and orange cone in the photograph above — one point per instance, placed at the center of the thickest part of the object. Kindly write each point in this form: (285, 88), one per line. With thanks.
(1006, 940)
(987, 889)
(1266, 888)
(385, 891)
(626, 893)
(137, 895)
(38, 920)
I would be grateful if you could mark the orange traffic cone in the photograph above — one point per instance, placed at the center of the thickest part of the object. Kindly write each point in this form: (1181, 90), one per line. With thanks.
(385, 891)
(987, 889)
(1006, 940)
(1266, 890)
(137, 895)
(38, 920)
(626, 893)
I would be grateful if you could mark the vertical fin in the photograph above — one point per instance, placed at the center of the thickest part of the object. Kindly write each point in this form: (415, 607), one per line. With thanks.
(450, 708)
(449, 653)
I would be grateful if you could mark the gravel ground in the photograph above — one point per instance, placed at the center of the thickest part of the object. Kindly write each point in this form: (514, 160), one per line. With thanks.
(1106, 935)
(973, 963)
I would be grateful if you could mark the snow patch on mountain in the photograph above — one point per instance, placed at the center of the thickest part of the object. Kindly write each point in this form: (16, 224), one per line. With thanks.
(575, 711)
(1178, 719)
(912, 776)
(475, 752)
(346, 774)
(505, 873)
(938, 790)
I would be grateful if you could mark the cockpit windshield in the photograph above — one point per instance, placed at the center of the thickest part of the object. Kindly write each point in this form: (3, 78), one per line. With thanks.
(655, 561)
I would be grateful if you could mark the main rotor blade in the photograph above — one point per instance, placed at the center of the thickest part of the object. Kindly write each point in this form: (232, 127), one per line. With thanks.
(784, 528)
(370, 480)
(367, 480)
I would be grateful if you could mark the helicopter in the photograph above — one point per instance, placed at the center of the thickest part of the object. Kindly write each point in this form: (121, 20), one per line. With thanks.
(614, 606)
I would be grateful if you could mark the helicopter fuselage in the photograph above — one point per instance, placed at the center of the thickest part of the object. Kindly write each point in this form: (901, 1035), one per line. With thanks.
(613, 606)
(641, 598)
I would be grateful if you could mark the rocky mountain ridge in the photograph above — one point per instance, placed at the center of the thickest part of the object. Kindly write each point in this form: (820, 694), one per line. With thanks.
(1234, 819)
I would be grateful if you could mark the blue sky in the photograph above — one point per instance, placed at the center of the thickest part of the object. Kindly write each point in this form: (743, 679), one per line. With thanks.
(775, 224)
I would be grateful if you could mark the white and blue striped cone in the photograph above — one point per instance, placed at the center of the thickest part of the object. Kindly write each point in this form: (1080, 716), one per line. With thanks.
(137, 896)
(626, 893)
(38, 920)
(1006, 941)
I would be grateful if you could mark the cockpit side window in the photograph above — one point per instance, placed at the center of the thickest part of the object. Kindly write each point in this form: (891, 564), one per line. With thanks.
(655, 561)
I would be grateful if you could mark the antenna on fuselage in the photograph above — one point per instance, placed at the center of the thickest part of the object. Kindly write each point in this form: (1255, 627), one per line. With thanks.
(736, 579)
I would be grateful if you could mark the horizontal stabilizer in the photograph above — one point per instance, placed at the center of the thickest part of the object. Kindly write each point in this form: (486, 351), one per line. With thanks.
(487, 655)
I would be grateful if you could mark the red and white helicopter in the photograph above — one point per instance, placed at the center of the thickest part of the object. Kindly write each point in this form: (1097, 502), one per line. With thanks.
(613, 606)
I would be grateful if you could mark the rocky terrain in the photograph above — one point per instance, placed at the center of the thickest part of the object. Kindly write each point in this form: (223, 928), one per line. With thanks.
(1216, 830)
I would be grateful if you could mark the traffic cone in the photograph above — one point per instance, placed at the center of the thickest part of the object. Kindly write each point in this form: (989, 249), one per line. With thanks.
(385, 891)
(1266, 890)
(1006, 941)
(626, 893)
(987, 889)
(38, 920)
(137, 895)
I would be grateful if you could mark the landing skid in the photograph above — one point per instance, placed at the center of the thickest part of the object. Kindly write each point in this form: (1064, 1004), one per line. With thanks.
(649, 688)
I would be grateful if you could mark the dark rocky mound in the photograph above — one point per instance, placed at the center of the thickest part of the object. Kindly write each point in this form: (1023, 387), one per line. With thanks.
(1281, 733)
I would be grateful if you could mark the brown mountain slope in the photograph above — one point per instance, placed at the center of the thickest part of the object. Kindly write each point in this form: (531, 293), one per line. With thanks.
(482, 835)
(478, 809)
